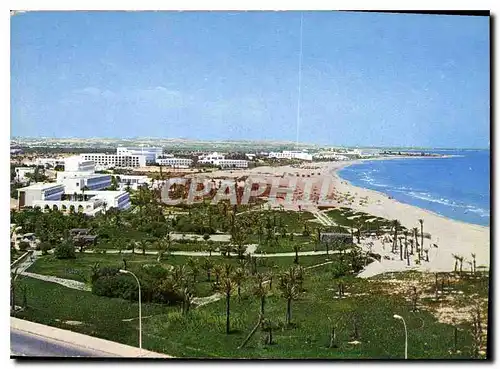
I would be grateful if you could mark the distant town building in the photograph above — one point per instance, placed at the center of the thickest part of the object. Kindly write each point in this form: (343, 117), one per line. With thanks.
(174, 162)
(220, 161)
(299, 155)
(115, 161)
(151, 153)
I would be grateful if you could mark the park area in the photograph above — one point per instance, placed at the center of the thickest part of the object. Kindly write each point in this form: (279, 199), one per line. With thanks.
(221, 282)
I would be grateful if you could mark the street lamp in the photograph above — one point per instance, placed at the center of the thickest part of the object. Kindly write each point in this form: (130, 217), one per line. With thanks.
(396, 316)
(140, 313)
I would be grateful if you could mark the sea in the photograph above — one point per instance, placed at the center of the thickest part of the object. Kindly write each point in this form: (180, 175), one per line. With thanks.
(457, 187)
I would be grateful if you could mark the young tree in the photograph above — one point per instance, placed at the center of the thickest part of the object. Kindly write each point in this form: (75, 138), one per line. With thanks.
(296, 249)
(238, 278)
(207, 265)
(260, 291)
(226, 287)
(288, 285)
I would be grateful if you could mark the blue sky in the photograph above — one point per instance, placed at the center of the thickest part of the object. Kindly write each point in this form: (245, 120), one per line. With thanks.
(367, 78)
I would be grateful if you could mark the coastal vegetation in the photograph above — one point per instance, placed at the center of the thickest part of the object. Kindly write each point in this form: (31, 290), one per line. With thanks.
(246, 282)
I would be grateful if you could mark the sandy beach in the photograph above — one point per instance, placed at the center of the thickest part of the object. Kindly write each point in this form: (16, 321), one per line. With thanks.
(450, 236)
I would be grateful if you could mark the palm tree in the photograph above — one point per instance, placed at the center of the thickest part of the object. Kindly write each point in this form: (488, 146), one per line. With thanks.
(217, 268)
(238, 278)
(260, 291)
(207, 265)
(474, 263)
(290, 290)
(13, 276)
(421, 221)
(456, 262)
(407, 255)
(227, 286)
(210, 247)
(296, 248)
(226, 250)
(415, 232)
(396, 225)
(143, 244)
(195, 268)
(461, 259)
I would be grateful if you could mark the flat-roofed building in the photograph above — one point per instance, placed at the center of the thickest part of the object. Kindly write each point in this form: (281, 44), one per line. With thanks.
(151, 153)
(39, 192)
(299, 155)
(77, 164)
(175, 162)
(220, 161)
(115, 161)
(125, 180)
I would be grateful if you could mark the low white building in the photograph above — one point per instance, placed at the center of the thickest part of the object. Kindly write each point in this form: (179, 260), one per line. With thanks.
(150, 153)
(175, 162)
(49, 162)
(113, 199)
(116, 161)
(132, 181)
(331, 155)
(84, 182)
(300, 155)
(220, 161)
(77, 164)
(39, 192)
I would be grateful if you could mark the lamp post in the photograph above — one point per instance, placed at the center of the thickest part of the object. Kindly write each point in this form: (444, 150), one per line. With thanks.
(140, 313)
(406, 333)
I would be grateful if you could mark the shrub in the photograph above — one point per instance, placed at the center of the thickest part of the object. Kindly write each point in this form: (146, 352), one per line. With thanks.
(45, 247)
(23, 246)
(65, 250)
(107, 281)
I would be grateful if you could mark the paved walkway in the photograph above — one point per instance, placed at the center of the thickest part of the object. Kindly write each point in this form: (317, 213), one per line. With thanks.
(76, 285)
(250, 250)
(81, 340)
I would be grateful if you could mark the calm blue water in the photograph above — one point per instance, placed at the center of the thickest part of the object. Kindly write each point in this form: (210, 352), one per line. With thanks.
(457, 187)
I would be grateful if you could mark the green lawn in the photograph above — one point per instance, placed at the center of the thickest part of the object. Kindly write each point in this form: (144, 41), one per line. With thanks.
(381, 336)
(101, 316)
(340, 216)
(202, 332)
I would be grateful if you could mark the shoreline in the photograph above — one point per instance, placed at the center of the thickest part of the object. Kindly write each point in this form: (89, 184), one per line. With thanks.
(452, 236)
(336, 174)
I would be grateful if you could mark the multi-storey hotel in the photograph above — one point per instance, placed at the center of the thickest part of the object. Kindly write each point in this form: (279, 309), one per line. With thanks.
(115, 160)
(78, 189)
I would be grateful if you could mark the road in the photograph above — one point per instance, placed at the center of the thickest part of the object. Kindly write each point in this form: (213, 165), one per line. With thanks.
(25, 344)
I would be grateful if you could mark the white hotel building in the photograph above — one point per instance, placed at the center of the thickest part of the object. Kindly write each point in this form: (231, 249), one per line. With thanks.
(171, 161)
(300, 155)
(115, 160)
(151, 153)
(78, 189)
(220, 161)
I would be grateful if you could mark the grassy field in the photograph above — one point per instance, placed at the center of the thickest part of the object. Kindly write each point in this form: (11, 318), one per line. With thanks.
(340, 216)
(79, 269)
(202, 332)
(103, 317)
